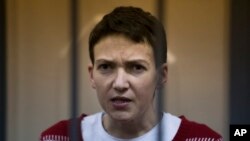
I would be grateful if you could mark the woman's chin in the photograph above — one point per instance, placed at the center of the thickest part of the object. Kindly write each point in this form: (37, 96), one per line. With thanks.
(121, 116)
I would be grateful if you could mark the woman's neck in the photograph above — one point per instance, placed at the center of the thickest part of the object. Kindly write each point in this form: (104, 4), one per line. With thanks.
(129, 129)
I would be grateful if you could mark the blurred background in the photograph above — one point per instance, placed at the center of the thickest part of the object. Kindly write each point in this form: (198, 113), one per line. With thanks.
(201, 69)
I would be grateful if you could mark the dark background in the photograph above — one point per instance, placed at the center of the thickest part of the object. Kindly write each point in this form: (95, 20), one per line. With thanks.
(240, 62)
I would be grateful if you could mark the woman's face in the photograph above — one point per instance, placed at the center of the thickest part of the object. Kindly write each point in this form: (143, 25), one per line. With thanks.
(125, 77)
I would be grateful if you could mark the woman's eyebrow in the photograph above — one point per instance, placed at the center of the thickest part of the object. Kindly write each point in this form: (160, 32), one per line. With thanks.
(136, 61)
(103, 61)
(140, 61)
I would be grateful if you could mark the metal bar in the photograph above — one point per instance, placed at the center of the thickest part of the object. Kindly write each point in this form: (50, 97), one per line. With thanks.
(74, 133)
(160, 93)
(161, 10)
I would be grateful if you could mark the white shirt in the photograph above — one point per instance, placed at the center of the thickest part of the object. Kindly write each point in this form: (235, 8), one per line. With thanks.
(93, 130)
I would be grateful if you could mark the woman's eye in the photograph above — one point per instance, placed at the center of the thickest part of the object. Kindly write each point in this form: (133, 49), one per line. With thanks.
(104, 68)
(137, 68)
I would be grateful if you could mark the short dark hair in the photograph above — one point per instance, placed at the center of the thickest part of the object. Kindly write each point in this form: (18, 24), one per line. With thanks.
(135, 24)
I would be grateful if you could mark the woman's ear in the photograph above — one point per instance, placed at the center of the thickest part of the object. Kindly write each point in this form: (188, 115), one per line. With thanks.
(162, 75)
(91, 75)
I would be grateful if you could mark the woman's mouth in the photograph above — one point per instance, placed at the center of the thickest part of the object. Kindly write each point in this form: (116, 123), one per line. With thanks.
(120, 103)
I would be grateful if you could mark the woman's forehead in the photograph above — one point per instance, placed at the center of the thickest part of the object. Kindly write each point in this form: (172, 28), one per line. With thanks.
(119, 47)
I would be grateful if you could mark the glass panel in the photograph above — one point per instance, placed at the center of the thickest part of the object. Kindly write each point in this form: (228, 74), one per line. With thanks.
(38, 61)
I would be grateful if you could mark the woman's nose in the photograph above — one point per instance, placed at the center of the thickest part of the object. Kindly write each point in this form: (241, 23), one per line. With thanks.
(121, 81)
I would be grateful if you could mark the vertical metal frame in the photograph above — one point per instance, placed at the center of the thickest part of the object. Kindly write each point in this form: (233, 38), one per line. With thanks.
(3, 60)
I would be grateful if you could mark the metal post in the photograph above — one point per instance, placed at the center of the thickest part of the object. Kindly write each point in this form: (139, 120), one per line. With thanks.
(160, 93)
(74, 133)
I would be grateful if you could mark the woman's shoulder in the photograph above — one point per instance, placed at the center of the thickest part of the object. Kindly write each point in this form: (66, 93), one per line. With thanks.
(190, 130)
(60, 130)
